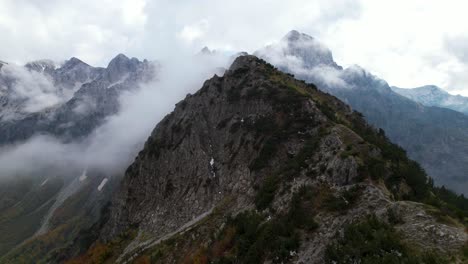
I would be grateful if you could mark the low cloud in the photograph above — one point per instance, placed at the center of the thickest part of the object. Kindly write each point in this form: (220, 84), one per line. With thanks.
(308, 59)
(114, 145)
(32, 90)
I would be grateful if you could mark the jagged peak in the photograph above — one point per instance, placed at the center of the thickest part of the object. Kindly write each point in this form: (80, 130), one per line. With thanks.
(426, 89)
(432, 88)
(206, 50)
(121, 56)
(122, 59)
(73, 62)
(244, 61)
(308, 50)
(41, 65)
(295, 35)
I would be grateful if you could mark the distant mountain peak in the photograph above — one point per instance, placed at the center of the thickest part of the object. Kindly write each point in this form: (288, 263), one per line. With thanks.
(121, 60)
(432, 95)
(295, 35)
(120, 57)
(73, 62)
(296, 47)
(433, 88)
(121, 65)
(41, 65)
(206, 50)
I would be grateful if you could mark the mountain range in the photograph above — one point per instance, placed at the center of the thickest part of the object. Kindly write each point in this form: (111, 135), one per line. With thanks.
(266, 163)
(84, 96)
(431, 95)
(57, 191)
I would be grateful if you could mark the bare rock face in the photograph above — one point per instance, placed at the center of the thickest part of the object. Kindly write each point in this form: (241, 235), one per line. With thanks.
(197, 155)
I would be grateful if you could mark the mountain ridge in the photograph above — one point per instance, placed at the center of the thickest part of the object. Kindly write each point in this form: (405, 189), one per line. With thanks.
(256, 138)
(431, 95)
(435, 137)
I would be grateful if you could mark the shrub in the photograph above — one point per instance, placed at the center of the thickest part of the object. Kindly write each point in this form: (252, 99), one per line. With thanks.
(373, 241)
(343, 200)
(301, 213)
(267, 191)
(257, 239)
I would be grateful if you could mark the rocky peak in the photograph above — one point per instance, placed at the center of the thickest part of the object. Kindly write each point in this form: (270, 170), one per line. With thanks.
(206, 51)
(120, 66)
(295, 36)
(433, 89)
(47, 66)
(298, 50)
(73, 63)
(312, 52)
(244, 62)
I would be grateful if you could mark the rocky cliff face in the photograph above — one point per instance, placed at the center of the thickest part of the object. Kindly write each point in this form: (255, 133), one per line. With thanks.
(257, 167)
(435, 137)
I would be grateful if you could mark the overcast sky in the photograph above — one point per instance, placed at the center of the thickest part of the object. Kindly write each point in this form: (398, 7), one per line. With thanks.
(408, 43)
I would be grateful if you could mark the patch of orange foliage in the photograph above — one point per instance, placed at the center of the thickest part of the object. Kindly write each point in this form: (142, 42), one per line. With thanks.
(223, 245)
(96, 254)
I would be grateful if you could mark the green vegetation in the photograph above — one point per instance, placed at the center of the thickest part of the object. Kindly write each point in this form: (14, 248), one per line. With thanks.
(343, 200)
(449, 203)
(256, 240)
(394, 167)
(252, 238)
(302, 211)
(21, 220)
(267, 191)
(42, 249)
(373, 241)
(465, 252)
(105, 253)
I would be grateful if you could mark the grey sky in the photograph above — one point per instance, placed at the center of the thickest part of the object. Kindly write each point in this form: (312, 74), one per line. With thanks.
(408, 43)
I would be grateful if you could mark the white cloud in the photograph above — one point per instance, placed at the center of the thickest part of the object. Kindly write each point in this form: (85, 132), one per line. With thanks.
(112, 147)
(403, 42)
(192, 32)
(33, 90)
(408, 43)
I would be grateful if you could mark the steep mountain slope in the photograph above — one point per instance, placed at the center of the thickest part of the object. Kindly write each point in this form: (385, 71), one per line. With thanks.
(432, 95)
(39, 231)
(57, 199)
(257, 167)
(436, 138)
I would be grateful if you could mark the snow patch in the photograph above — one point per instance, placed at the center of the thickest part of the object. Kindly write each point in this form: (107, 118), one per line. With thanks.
(102, 184)
(44, 182)
(212, 165)
(83, 176)
(122, 80)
